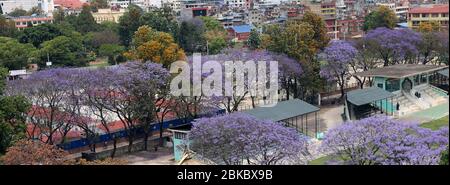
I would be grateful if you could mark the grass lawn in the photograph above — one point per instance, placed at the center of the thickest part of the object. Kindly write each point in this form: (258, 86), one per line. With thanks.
(321, 160)
(436, 124)
(101, 62)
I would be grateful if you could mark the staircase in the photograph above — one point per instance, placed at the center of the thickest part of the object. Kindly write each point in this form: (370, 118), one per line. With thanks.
(435, 95)
(406, 105)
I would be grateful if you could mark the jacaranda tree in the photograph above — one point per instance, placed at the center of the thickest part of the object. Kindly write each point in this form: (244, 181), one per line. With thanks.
(393, 46)
(382, 140)
(338, 56)
(238, 138)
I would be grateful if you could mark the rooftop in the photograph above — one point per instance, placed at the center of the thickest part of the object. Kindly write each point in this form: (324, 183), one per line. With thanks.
(283, 110)
(433, 9)
(367, 95)
(400, 70)
(242, 28)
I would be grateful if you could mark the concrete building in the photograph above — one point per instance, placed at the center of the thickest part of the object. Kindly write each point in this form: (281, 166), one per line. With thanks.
(433, 13)
(25, 21)
(112, 15)
(10, 5)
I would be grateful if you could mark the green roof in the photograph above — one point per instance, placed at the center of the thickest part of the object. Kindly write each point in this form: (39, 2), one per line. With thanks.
(367, 95)
(444, 72)
(283, 110)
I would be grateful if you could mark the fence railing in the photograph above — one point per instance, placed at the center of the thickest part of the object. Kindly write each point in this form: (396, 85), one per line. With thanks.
(138, 131)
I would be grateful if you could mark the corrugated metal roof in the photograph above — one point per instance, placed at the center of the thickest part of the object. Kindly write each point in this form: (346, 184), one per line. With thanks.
(242, 28)
(283, 110)
(367, 95)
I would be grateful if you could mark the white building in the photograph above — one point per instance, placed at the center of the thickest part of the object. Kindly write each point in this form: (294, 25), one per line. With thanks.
(235, 3)
(126, 3)
(10, 5)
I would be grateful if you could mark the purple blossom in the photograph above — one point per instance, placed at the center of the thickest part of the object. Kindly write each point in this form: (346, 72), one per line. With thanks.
(393, 45)
(242, 139)
(382, 140)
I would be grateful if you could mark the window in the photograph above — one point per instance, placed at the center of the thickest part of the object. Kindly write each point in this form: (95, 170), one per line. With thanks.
(415, 15)
(435, 15)
(423, 78)
(424, 15)
(380, 85)
(415, 23)
(392, 85)
(417, 80)
(444, 15)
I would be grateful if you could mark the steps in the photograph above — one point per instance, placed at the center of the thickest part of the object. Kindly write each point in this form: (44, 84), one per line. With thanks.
(435, 96)
(406, 106)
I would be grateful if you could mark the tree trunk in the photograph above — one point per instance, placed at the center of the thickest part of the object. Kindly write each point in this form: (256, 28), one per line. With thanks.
(161, 129)
(113, 153)
(130, 144)
(146, 141)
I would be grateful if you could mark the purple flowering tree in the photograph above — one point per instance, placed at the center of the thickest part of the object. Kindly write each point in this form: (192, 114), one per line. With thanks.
(365, 60)
(47, 91)
(386, 141)
(290, 72)
(238, 138)
(131, 95)
(338, 56)
(393, 46)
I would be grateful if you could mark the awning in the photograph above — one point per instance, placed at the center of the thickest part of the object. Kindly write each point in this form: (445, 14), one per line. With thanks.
(283, 110)
(444, 72)
(367, 95)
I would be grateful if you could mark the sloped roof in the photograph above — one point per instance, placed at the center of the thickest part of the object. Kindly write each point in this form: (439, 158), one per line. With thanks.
(283, 110)
(400, 70)
(367, 95)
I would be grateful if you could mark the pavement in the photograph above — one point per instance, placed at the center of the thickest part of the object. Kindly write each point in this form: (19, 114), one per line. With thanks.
(429, 114)
(330, 116)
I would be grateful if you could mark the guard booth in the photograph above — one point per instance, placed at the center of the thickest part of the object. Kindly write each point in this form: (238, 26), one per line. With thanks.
(363, 103)
(293, 113)
(180, 139)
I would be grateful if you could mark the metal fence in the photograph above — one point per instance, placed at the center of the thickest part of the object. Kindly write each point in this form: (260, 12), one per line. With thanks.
(139, 131)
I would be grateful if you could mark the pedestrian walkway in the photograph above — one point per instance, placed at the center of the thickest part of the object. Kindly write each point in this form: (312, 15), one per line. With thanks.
(429, 114)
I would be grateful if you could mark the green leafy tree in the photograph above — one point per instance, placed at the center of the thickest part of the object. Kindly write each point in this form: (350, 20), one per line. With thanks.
(14, 55)
(12, 116)
(191, 36)
(444, 157)
(17, 12)
(7, 27)
(109, 26)
(62, 51)
(36, 11)
(36, 35)
(254, 40)
(320, 38)
(112, 51)
(85, 22)
(58, 15)
(212, 23)
(381, 17)
(160, 20)
(93, 40)
(129, 23)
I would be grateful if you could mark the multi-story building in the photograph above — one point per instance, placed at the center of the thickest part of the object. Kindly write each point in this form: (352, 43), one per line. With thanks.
(401, 11)
(108, 14)
(10, 5)
(236, 3)
(126, 3)
(26, 21)
(433, 13)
